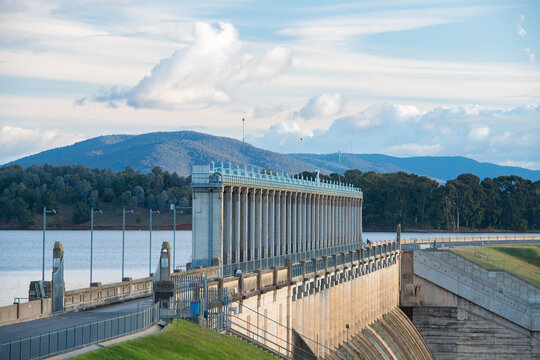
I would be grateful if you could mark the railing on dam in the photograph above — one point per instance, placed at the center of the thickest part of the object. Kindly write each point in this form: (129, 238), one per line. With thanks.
(468, 239)
(75, 337)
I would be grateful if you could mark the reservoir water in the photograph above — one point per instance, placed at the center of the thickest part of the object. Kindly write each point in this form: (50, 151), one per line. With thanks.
(21, 255)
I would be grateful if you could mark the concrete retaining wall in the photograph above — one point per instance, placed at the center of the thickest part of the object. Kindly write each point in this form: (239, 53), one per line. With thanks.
(500, 292)
(25, 311)
(91, 297)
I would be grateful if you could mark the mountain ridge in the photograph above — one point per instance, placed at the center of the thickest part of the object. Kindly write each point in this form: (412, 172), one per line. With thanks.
(177, 151)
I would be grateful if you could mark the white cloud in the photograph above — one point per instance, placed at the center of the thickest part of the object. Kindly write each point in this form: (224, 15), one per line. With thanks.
(341, 27)
(204, 72)
(479, 133)
(482, 133)
(322, 106)
(16, 142)
(413, 150)
(521, 30)
(531, 57)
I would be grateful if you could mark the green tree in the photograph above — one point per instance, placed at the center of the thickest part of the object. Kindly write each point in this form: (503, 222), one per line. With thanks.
(81, 213)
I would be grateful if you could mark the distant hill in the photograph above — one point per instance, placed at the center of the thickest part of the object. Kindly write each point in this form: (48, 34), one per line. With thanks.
(436, 167)
(172, 151)
(177, 151)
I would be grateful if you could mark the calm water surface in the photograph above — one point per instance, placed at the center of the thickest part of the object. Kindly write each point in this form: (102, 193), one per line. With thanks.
(21, 255)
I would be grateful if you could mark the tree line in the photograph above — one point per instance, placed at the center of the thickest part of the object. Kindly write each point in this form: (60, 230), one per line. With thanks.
(25, 192)
(417, 202)
(465, 203)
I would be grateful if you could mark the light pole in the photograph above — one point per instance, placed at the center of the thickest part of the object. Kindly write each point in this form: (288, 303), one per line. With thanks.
(45, 212)
(124, 236)
(92, 211)
(150, 252)
(347, 327)
(243, 122)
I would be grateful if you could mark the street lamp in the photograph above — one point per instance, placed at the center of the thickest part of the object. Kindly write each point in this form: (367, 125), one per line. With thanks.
(173, 207)
(45, 212)
(124, 236)
(347, 327)
(92, 211)
(150, 252)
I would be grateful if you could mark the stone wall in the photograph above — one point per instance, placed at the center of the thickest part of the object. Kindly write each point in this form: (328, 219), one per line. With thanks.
(91, 297)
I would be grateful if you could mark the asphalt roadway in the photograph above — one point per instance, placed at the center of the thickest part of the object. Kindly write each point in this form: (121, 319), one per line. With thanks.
(65, 320)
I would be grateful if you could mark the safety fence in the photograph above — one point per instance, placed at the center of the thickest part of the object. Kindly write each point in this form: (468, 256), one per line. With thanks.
(195, 301)
(71, 338)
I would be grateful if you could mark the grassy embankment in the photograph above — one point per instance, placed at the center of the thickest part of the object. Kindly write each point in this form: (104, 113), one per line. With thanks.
(522, 260)
(180, 341)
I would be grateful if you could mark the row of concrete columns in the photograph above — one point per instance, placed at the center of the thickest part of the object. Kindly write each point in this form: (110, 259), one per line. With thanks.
(263, 223)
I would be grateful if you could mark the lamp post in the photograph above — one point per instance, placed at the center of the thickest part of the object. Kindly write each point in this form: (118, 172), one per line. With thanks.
(92, 211)
(347, 327)
(124, 236)
(243, 122)
(45, 212)
(150, 252)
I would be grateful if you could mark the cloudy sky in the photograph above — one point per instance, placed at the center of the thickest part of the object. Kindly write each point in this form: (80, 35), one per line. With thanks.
(401, 78)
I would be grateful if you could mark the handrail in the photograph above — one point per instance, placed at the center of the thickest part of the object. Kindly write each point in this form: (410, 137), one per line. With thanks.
(469, 238)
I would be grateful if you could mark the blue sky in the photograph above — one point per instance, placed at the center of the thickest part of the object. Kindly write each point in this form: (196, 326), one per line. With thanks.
(403, 78)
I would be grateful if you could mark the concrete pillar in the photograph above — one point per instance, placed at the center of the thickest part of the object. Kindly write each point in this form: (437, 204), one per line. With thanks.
(271, 223)
(165, 262)
(58, 285)
(245, 222)
(283, 236)
(288, 244)
(251, 245)
(277, 234)
(227, 225)
(304, 225)
(265, 230)
(299, 224)
(237, 195)
(360, 221)
(308, 223)
(312, 217)
(258, 224)
(316, 223)
(294, 227)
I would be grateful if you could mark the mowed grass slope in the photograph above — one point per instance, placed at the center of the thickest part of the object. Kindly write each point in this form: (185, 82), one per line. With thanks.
(522, 260)
(184, 340)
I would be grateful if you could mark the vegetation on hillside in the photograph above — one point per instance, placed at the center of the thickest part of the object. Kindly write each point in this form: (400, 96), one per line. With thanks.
(182, 340)
(522, 260)
(417, 202)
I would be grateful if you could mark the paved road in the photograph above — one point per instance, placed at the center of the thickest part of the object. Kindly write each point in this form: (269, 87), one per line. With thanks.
(65, 320)
(443, 244)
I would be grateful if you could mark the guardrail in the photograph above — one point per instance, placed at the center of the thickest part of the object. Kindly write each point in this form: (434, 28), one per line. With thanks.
(469, 239)
(71, 338)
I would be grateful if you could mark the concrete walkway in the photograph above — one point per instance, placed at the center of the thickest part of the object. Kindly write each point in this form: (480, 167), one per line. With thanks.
(65, 320)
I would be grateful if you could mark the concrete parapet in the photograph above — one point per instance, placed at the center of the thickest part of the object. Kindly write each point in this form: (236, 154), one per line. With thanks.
(91, 297)
(209, 272)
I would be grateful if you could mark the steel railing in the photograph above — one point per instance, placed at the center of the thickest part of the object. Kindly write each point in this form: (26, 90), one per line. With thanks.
(75, 337)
